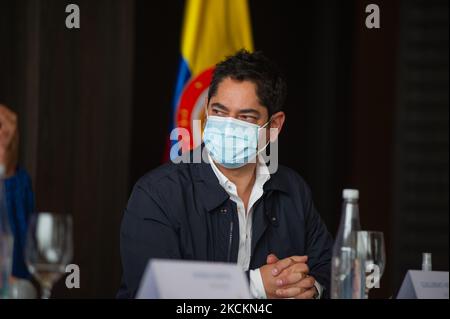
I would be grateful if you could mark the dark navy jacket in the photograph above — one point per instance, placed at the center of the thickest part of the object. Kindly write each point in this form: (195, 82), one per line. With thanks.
(180, 211)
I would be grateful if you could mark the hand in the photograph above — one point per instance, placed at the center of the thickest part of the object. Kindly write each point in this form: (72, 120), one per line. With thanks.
(278, 273)
(288, 278)
(9, 141)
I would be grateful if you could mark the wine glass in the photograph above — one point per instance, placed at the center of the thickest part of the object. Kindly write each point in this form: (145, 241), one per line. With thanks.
(371, 250)
(49, 248)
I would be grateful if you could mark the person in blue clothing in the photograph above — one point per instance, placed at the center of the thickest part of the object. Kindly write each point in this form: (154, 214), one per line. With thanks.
(18, 190)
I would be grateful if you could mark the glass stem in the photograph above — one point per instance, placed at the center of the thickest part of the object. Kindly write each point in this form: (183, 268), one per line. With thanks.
(46, 292)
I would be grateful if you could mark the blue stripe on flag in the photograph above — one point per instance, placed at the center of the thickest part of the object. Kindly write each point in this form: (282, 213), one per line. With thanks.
(184, 75)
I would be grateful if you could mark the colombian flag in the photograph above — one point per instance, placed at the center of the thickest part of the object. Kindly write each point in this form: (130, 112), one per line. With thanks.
(212, 30)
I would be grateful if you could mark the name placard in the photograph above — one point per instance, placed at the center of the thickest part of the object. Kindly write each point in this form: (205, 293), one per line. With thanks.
(180, 279)
(424, 285)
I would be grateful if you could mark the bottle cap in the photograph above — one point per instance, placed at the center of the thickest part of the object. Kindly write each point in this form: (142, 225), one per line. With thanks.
(350, 194)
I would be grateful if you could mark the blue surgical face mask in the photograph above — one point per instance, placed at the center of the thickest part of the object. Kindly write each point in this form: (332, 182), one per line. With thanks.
(230, 142)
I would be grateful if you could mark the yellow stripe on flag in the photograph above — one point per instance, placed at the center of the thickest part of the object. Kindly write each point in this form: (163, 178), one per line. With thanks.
(214, 29)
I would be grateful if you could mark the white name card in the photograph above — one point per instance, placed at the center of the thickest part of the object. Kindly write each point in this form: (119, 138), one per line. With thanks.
(180, 279)
(424, 285)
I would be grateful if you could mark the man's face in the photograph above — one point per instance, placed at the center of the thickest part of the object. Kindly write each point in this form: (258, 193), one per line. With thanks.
(238, 99)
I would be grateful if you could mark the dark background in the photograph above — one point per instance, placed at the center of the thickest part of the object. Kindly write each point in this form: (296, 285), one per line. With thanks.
(366, 108)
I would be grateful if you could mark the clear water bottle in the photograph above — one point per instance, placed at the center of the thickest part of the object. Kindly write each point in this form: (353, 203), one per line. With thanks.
(6, 243)
(426, 262)
(347, 271)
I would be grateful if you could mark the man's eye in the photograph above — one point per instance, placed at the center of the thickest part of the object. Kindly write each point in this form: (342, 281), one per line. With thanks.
(217, 112)
(247, 118)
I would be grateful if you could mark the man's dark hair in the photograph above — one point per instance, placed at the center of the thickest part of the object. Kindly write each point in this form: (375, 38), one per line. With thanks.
(257, 68)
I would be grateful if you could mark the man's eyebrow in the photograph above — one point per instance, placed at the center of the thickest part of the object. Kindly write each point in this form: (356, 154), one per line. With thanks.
(243, 111)
(246, 111)
(219, 106)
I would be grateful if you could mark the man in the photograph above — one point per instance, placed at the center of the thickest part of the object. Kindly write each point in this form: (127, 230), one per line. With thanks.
(19, 195)
(187, 210)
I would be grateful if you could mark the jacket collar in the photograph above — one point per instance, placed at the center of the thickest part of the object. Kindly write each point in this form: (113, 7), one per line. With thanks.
(277, 182)
(213, 193)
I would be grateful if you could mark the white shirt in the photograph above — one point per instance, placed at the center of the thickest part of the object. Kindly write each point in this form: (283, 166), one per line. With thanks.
(245, 222)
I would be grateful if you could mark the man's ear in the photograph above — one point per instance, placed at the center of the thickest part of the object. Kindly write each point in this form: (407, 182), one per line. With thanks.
(277, 121)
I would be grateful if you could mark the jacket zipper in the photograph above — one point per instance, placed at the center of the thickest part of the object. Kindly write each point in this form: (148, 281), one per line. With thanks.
(230, 242)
